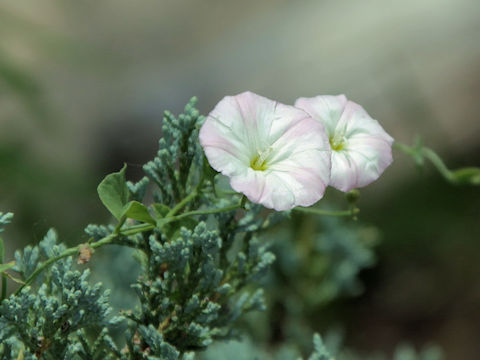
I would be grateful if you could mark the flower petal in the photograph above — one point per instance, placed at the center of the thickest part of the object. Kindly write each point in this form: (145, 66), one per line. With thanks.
(366, 149)
(325, 108)
(293, 150)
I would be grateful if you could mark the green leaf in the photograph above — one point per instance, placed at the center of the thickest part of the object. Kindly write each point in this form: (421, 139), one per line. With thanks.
(5, 267)
(113, 192)
(137, 211)
(160, 210)
(171, 229)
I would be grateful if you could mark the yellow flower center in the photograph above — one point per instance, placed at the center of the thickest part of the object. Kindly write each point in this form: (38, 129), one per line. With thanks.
(337, 142)
(259, 161)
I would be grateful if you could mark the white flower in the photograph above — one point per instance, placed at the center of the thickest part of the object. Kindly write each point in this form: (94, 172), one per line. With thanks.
(361, 149)
(275, 154)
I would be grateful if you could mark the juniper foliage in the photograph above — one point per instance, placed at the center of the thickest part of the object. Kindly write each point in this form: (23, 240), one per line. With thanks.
(5, 219)
(203, 256)
(248, 350)
(51, 322)
(196, 272)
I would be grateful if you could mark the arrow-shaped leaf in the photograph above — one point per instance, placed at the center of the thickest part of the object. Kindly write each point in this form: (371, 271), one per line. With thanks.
(113, 192)
(137, 211)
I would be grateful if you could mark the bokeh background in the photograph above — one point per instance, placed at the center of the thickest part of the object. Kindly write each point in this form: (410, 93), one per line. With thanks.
(83, 86)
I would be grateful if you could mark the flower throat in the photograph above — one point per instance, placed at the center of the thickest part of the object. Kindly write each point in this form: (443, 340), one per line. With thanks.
(337, 142)
(259, 161)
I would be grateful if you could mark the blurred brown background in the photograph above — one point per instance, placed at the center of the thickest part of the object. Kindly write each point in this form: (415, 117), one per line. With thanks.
(83, 86)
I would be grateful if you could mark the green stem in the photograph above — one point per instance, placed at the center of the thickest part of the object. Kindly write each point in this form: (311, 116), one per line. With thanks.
(438, 163)
(119, 225)
(204, 212)
(187, 199)
(182, 203)
(408, 150)
(74, 250)
(132, 230)
(323, 212)
(429, 154)
(4, 276)
(422, 152)
(68, 252)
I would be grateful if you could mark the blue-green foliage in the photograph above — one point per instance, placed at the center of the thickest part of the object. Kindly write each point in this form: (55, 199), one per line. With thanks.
(97, 232)
(5, 219)
(179, 149)
(49, 322)
(321, 265)
(335, 251)
(199, 274)
(156, 345)
(402, 352)
(193, 283)
(348, 250)
(138, 189)
(187, 293)
(320, 351)
(247, 350)
(407, 352)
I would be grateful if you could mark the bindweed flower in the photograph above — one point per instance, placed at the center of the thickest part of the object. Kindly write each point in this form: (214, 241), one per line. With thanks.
(275, 154)
(361, 149)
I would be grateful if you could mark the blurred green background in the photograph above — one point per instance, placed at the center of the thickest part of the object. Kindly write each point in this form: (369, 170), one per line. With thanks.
(83, 86)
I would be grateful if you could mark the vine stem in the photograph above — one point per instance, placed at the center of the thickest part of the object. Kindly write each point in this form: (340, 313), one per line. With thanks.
(438, 163)
(73, 251)
(430, 155)
(110, 238)
(204, 212)
(408, 150)
(170, 217)
(182, 203)
(187, 199)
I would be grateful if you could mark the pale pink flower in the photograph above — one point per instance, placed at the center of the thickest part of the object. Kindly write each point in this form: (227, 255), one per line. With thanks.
(361, 149)
(275, 154)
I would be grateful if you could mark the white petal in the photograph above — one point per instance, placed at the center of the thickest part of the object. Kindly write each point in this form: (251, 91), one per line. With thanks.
(367, 149)
(371, 154)
(295, 146)
(325, 108)
(344, 172)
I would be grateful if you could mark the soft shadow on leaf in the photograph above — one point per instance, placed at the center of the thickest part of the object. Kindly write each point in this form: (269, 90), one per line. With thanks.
(137, 211)
(113, 192)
